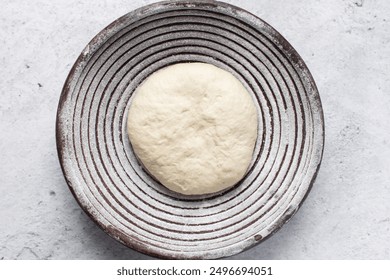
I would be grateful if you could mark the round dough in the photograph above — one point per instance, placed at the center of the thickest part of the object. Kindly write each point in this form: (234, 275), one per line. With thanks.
(194, 128)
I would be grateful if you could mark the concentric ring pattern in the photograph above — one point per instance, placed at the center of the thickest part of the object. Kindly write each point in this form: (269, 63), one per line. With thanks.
(100, 166)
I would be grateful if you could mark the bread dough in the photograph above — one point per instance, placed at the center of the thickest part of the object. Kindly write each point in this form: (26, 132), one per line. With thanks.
(194, 127)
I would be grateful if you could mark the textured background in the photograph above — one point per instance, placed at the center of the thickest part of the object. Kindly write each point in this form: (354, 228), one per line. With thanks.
(346, 45)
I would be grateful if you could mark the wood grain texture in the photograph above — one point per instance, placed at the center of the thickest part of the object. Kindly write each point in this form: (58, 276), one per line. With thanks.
(103, 172)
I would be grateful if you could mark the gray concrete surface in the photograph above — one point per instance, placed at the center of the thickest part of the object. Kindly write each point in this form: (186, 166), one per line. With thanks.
(346, 45)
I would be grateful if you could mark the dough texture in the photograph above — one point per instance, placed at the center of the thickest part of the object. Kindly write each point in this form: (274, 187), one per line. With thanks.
(194, 127)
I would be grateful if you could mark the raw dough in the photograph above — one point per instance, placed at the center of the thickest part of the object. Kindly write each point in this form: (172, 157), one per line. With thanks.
(194, 127)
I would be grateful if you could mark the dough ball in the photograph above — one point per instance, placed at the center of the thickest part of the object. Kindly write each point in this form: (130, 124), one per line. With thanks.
(194, 127)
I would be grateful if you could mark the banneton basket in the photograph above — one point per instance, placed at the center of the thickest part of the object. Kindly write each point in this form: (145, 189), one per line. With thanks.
(110, 184)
